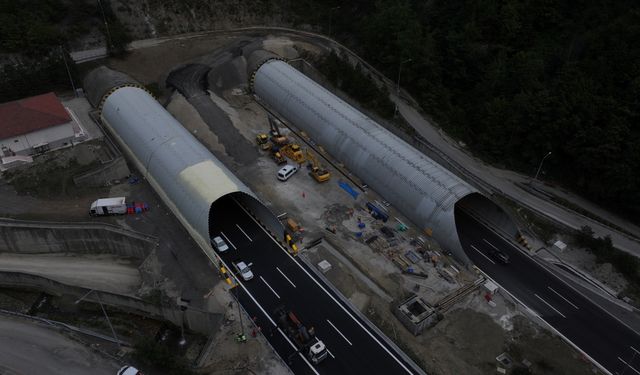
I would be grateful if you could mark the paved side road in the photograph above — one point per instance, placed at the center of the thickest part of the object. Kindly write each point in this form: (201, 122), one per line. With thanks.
(505, 182)
(30, 348)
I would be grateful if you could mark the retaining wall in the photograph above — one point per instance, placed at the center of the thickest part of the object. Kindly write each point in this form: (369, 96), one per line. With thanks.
(198, 321)
(35, 237)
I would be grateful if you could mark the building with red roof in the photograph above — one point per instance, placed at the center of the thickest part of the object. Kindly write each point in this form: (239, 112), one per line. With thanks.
(35, 125)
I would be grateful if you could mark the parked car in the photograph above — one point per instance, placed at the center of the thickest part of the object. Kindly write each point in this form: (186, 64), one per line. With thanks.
(219, 244)
(244, 270)
(287, 171)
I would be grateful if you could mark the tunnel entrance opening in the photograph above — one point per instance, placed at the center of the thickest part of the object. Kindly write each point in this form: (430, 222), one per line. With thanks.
(473, 214)
(237, 211)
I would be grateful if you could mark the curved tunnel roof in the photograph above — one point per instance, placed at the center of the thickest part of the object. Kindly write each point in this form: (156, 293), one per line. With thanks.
(183, 172)
(419, 187)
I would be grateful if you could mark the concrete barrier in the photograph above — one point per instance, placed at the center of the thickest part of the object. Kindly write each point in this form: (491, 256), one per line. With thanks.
(38, 237)
(196, 320)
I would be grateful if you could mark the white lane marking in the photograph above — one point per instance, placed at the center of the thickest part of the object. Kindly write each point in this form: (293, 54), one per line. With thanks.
(229, 241)
(634, 349)
(299, 352)
(490, 244)
(481, 253)
(285, 276)
(331, 354)
(337, 330)
(553, 273)
(628, 365)
(269, 286)
(561, 296)
(548, 304)
(245, 234)
(329, 294)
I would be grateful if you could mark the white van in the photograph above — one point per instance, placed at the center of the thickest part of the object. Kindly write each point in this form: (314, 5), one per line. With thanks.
(287, 171)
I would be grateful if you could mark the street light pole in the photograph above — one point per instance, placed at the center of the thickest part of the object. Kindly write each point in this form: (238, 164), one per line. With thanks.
(395, 111)
(540, 166)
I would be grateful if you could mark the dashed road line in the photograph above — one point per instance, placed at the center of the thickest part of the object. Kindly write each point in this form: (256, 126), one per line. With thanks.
(340, 333)
(628, 365)
(245, 234)
(561, 296)
(548, 304)
(285, 276)
(269, 286)
(229, 241)
(481, 253)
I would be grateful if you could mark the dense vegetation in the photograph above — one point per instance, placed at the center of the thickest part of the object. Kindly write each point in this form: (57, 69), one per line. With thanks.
(355, 82)
(515, 79)
(35, 35)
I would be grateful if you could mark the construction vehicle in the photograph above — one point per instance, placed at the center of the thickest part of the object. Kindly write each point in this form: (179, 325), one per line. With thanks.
(276, 137)
(317, 172)
(277, 156)
(293, 152)
(263, 141)
(306, 341)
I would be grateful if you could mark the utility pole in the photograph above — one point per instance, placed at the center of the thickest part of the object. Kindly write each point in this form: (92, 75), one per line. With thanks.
(106, 26)
(62, 51)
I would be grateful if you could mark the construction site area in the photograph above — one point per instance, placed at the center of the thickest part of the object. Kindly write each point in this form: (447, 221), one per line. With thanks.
(109, 282)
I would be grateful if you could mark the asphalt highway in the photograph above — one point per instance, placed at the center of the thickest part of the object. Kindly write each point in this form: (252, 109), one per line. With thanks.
(282, 280)
(600, 335)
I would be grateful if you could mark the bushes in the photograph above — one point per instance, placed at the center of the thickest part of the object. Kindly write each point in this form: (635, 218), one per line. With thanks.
(602, 248)
(150, 353)
(354, 81)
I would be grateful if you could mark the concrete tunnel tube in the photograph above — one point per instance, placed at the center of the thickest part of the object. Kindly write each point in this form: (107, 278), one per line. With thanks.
(425, 192)
(188, 178)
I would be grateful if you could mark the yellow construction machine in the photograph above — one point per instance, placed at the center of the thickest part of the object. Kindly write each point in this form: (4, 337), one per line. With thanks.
(276, 137)
(276, 155)
(319, 173)
(263, 141)
(293, 152)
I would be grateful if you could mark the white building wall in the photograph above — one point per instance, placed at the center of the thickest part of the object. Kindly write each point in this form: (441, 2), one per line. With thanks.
(55, 136)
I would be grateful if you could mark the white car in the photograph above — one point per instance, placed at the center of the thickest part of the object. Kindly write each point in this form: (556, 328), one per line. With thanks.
(129, 370)
(244, 270)
(220, 245)
(287, 171)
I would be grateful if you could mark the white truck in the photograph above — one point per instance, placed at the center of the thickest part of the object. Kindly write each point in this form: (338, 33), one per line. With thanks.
(108, 206)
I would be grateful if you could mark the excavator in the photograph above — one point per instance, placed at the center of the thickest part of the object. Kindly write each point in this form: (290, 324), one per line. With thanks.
(276, 137)
(263, 141)
(319, 173)
(276, 155)
(293, 152)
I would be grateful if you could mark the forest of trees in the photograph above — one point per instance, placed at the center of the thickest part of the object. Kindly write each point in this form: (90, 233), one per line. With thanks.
(37, 34)
(515, 79)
